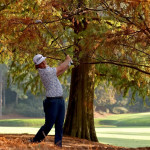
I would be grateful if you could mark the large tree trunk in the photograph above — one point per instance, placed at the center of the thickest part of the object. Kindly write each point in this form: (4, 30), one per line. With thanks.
(80, 119)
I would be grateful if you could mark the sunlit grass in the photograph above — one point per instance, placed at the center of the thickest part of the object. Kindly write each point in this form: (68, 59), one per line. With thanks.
(22, 130)
(22, 122)
(139, 119)
(126, 137)
(127, 130)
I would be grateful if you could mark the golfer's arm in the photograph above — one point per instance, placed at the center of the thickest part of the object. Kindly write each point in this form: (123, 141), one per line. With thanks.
(62, 67)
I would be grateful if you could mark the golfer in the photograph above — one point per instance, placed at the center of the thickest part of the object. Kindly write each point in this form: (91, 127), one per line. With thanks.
(54, 105)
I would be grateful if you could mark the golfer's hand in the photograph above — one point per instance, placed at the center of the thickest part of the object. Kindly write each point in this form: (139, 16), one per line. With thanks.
(68, 58)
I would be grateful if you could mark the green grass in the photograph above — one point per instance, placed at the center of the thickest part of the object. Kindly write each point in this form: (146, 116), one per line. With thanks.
(123, 120)
(127, 130)
(124, 142)
(22, 130)
(22, 122)
(126, 137)
(139, 119)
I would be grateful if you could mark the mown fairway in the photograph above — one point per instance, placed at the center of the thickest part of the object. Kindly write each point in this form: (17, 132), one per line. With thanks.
(22, 122)
(127, 130)
(124, 120)
(126, 137)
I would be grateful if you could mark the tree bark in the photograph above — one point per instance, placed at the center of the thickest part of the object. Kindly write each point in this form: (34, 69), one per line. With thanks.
(80, 119)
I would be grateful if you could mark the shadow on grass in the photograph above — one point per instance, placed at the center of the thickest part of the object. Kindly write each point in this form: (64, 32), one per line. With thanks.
(108, 122)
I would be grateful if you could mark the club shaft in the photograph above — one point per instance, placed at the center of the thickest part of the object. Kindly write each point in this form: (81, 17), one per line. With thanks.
(54, 38)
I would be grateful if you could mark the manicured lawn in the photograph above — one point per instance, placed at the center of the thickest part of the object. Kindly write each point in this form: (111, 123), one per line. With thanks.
(127, 120)
(22, 122)
(22, 130)
(127, 130)
(125, 136)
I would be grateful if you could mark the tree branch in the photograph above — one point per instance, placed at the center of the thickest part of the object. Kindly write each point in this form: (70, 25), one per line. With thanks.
(148, 29)
(116, 12)
(135, 49)
(118, 64)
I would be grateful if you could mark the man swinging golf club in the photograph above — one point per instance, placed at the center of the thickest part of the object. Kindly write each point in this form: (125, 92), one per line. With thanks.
(54, 105)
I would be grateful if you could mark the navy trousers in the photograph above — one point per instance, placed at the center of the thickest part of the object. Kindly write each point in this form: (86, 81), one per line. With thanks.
(54, 109)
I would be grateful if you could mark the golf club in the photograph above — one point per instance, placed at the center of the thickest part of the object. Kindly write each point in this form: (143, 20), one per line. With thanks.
(40, 21)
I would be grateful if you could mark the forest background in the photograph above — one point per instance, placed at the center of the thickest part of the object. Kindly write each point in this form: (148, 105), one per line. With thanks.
(106, 100)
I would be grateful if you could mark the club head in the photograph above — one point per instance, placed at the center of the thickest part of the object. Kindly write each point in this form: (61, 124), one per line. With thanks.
(38, 21)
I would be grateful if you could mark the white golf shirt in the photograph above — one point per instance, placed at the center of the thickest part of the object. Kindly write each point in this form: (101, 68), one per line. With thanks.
(50, 82)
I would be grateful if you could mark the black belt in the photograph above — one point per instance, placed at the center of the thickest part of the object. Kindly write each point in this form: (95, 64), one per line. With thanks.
(59, 97)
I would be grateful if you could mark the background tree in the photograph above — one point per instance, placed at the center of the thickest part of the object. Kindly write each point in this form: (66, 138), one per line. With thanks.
(1, 87)
(104, 97)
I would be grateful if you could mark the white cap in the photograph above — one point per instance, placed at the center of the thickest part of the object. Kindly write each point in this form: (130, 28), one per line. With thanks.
(38, 59)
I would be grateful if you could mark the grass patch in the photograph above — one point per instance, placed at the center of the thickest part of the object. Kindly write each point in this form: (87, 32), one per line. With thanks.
(22, 122)
(113, 130)
(123, 120)
(124, 142)
(126, 137)
(22, 130)
(139, 119)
